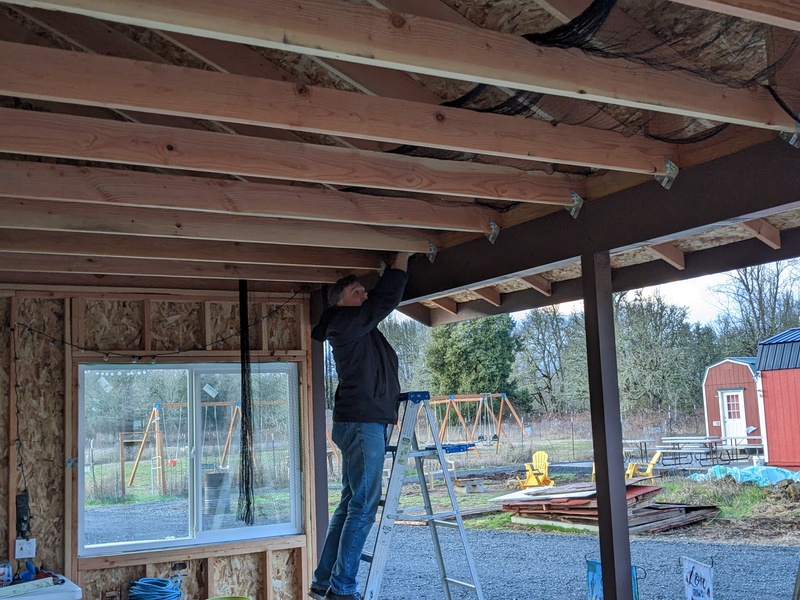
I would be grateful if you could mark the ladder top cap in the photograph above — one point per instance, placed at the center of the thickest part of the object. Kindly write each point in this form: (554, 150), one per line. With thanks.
(415, 396)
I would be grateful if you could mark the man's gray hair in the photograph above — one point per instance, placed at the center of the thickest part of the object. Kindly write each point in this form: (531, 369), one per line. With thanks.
(337, 289)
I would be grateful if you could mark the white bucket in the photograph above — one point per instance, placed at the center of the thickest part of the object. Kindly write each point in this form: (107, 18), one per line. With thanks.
(758, 461)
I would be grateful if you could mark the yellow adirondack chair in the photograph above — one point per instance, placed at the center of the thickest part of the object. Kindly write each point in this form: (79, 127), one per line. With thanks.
(642, 469)
(536, 471)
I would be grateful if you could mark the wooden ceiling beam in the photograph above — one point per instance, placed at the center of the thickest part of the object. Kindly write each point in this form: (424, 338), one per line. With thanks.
(764, 231)
(750, 184)
(62, 76)
(130, 246)
(119, 187)
(669, 253)
(132, 286)
(103, 265)
(778, 13)
(99, 38)
(362, 34)
(41, 134)
(45, 215)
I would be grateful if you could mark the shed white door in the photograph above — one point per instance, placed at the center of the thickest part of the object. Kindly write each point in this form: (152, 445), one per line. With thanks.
(732, 411)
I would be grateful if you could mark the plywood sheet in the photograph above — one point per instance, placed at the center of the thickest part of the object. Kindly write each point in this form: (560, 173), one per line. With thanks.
(176, 325)
(191, 579)
(5, 366)
(223, 325)
(119, 579)
(240, 575)
(40, 402)
(285, 327)
(285, 569)
(113, 324)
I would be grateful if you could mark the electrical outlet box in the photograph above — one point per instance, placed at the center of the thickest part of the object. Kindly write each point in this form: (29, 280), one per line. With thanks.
(25, 548)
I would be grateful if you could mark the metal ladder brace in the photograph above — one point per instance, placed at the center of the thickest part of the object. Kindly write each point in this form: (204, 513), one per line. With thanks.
(407, 447)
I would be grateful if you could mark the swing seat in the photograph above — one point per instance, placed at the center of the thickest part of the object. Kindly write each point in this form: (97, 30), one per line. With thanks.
(536, 471)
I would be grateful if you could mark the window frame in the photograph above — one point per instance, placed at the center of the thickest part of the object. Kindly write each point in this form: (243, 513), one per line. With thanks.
(198, 536)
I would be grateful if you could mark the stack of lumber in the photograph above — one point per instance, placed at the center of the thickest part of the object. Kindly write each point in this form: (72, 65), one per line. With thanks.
(574, 506)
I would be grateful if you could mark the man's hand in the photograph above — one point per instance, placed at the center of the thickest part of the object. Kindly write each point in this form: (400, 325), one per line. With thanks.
(401, 261)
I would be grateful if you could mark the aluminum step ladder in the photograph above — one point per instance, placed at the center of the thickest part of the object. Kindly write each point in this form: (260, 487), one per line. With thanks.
(405, 448)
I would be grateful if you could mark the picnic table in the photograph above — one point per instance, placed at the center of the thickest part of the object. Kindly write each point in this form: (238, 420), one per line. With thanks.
(734, 445)
(636, 447)
(683, 450)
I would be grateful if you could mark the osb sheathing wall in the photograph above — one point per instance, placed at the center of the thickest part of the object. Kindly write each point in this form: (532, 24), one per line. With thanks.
(42, 390)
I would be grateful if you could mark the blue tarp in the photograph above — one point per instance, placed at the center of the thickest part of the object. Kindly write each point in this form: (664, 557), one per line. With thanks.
(761, 476)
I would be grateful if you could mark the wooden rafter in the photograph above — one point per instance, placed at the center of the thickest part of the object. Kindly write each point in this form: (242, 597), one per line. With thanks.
(46, 215)
(669, 253)
(539, 283)
(764, 231)
(41, 134)
(130, 246)
(778, 13)
(446, 304)
(55, 263)
(62, 76)
(491, 295)
(362, 34)
(135, 188)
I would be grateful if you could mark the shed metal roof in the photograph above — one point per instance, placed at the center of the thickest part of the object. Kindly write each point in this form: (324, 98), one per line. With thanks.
(781, 351)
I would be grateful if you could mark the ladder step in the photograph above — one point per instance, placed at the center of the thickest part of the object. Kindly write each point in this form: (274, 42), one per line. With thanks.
(464, 584)
(422, 453)
(438, 519)
(366, 557)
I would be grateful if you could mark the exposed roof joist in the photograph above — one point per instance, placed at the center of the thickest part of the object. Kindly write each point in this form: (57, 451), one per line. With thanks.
(130, 246)
(122, 187)
(45, 215)
(778, 13)
(342, 30)
(42, 134)
(57, 263)
(72, 77)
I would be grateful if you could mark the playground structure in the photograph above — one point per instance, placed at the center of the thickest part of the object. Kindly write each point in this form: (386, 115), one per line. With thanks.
(487, 423)
(156, 461)
(155, 429)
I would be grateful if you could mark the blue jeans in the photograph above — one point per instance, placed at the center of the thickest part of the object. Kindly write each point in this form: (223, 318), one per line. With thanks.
(363, 446)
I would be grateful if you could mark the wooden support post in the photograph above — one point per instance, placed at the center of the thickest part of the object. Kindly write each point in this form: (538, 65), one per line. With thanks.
(153, 416)
(615, 552)
(12, 424)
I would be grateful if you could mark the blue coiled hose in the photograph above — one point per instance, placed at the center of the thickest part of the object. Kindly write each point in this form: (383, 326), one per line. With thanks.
(157, 588)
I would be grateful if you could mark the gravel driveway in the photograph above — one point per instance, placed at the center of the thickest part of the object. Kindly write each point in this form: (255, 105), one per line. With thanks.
(538, 566)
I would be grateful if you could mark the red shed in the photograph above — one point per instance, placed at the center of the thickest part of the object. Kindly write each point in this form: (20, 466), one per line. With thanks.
(730, 398)
(778, 365)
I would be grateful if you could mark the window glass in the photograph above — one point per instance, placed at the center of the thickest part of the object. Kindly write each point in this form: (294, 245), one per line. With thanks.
(142, 486)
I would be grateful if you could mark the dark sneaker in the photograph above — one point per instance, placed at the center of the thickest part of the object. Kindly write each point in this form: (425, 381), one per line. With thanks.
(331, 595)
(317, 592)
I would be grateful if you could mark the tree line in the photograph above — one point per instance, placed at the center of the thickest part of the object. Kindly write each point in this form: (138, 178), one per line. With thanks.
(540, 361)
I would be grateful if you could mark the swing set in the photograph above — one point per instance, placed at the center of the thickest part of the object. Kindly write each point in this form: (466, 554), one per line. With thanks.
(487, 424)
(155, 429)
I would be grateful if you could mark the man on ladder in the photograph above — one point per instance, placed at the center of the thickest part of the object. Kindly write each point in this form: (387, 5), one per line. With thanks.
(364, 405)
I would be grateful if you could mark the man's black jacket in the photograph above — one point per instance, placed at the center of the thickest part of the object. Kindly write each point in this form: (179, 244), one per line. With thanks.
(366, 364)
